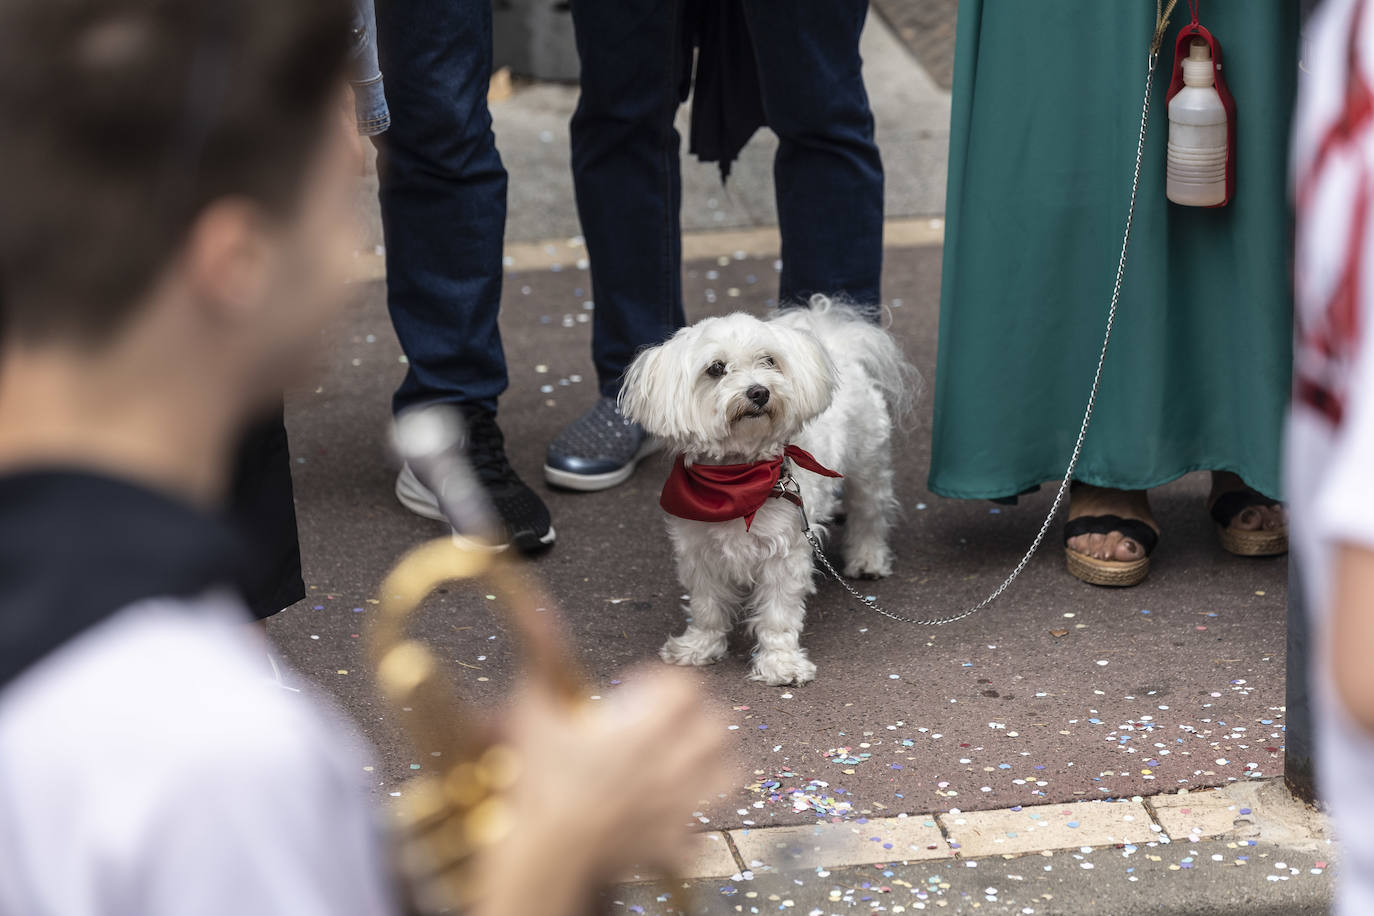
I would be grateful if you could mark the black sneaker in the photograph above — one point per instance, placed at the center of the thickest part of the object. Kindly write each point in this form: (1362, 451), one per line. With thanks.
(520, 509)
(598, 450)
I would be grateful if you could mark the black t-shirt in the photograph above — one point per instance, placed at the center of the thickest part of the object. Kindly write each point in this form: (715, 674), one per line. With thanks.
(75, 547)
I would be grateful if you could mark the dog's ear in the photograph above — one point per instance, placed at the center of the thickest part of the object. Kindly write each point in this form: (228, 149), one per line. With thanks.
(808, 368)
(654, 393)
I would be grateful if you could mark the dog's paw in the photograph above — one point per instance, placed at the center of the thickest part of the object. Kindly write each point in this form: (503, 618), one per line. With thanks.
(780, 668)
(693, 648)
(868, 562)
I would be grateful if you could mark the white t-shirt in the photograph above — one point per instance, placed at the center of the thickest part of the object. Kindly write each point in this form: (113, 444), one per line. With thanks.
(1330, 449)
(149, 767)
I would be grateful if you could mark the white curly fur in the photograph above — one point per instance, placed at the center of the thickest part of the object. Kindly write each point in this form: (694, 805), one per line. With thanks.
(837, 384)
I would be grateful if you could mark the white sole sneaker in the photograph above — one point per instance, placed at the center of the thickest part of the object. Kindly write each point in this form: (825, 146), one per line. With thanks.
(418, 498)
(590, 483)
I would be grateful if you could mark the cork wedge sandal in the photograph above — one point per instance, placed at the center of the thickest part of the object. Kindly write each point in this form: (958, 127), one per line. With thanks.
(1265, 543)
(1110, 573)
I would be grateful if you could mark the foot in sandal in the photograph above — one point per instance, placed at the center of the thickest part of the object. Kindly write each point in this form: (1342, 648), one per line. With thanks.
(1110, 535)
(1249, 523)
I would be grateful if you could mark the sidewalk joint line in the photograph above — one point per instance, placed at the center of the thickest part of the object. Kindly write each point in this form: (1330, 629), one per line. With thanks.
(750, 241)
(734, 851)
(1147, 802)
(956, 852)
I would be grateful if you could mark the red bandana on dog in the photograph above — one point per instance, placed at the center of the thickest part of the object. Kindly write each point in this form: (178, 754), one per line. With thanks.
(721, 492)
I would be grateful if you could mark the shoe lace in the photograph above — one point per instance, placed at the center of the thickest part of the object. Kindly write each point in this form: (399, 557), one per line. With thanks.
(487, 448)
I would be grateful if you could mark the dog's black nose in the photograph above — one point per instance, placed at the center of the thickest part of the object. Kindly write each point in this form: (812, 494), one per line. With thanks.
(758, 394)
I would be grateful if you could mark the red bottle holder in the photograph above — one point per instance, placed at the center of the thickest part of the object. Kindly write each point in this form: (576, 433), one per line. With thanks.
(1185, 34)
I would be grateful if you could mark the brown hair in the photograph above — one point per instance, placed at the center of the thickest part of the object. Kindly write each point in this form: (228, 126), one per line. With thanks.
(125, 118)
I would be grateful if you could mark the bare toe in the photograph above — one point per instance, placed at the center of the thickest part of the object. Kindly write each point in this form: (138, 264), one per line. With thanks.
(1128, 550)
(1100, 548)
(1258, 517)
(1249, 519)
(1110, 546)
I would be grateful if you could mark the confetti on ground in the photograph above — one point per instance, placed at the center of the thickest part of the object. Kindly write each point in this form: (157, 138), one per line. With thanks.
(983, 715)
(811, 796)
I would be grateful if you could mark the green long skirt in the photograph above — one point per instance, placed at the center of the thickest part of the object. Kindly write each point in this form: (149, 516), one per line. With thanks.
(1046, 113)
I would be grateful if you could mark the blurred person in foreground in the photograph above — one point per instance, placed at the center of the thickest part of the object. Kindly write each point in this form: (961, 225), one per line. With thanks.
(261, 498)
(178, 213)
(1331, 427)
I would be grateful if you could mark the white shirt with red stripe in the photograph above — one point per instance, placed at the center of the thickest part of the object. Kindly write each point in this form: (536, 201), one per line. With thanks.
(1330, 449)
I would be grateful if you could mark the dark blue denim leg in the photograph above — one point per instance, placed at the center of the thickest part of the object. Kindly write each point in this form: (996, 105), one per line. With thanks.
(443, 196)
(626, 174)
(828, 173)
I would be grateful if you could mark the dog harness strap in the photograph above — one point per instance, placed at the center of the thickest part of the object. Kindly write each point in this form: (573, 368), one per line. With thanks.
(722, 492)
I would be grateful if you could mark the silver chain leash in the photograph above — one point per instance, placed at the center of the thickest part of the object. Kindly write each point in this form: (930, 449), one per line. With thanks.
(1082, 430)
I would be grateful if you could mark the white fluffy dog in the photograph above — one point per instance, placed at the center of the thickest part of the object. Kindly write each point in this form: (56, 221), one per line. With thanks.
(736, 391)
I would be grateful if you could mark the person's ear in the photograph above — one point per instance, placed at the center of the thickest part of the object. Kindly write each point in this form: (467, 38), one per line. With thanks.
(228, 259)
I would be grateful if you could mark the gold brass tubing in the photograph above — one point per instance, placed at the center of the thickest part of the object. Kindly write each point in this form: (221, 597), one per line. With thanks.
(448, 816)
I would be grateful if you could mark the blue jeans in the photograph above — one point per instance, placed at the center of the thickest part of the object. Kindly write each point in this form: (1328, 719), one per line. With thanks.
(443, 200)
(365, 75)
(828, 173)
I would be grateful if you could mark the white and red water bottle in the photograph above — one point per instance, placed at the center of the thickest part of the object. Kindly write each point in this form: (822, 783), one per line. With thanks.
(1196, 169)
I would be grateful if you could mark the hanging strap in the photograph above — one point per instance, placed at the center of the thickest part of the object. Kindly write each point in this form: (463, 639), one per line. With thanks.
(1162, 14)
(1186, 35)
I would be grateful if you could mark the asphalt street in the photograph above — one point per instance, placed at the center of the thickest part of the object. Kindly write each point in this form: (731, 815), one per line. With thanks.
(1211, 878)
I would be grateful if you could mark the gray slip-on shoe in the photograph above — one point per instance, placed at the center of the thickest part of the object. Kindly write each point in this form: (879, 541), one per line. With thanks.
(598, 450)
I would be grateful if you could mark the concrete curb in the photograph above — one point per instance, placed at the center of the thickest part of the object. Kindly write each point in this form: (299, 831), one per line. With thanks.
(1249, 813)
(763, 241)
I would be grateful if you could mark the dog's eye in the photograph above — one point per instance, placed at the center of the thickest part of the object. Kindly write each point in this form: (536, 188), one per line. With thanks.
(716, 369)
(767, 361)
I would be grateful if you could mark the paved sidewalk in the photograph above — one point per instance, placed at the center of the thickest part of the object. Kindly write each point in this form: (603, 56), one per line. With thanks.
(1059, 692)
(926, 27)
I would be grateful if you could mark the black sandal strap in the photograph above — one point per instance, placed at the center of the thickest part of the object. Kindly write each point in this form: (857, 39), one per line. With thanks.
(1229, 505)
(1132, 528)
